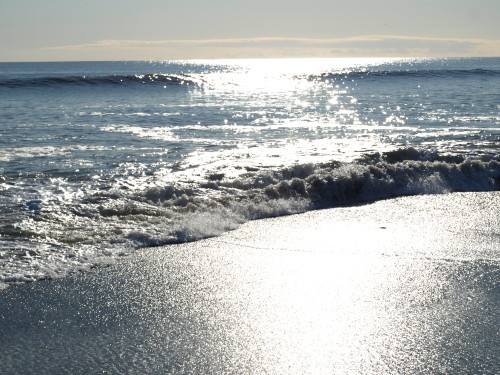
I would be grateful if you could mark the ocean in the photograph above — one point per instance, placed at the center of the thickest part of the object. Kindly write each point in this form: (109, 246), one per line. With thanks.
(99, 159)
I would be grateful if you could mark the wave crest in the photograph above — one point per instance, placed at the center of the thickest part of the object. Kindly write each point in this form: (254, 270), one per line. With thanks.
(420, 73)
(378, 176)
(62, 81)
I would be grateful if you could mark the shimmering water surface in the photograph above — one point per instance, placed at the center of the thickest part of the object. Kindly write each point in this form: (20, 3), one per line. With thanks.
(100, 158)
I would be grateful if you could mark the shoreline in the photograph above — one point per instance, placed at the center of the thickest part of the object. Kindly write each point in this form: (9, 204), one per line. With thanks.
(397, 286)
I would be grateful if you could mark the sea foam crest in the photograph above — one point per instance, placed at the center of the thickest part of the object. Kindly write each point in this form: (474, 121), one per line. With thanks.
(377, 176)
(309, 186)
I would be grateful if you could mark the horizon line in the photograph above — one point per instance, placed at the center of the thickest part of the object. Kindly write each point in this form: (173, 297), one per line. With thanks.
(251, 58)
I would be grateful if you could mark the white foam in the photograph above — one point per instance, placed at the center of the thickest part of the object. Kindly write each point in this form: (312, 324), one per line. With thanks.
(161, 133)
(68, 227)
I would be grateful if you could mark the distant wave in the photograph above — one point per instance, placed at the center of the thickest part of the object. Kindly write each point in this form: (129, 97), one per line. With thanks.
(55, 81)
(421, 73)
(189, 80)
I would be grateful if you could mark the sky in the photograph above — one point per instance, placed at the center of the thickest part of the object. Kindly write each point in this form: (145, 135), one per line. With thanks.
(68, 30)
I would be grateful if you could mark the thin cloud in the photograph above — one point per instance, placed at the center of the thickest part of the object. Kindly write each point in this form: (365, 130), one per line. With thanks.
(359, 46)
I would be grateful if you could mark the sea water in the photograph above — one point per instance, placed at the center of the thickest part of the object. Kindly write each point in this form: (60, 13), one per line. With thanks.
(98, 159)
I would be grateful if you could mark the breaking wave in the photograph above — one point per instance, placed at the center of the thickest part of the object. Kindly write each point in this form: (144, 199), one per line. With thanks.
(313, 186)
(60, 236)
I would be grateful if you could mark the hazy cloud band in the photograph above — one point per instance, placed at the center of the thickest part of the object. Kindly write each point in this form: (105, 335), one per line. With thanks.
(361, 46)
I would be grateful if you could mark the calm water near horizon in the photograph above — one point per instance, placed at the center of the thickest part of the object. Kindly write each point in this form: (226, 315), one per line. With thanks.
(98, 159)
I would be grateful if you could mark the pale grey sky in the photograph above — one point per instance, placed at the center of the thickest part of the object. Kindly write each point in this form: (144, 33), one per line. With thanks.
(37, 30)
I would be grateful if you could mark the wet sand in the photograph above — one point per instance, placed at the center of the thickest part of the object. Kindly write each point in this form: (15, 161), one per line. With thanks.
(408, 285)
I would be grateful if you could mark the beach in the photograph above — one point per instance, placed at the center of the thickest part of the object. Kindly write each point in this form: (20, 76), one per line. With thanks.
(400, 286)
